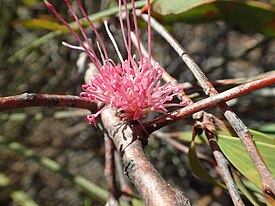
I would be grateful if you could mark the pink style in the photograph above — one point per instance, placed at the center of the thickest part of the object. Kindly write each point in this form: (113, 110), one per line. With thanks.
(133, 88)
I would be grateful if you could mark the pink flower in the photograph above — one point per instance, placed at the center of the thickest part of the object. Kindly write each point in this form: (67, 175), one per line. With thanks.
(132, 87)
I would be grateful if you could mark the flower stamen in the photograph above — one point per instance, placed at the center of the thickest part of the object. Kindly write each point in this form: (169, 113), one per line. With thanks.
(133, 86)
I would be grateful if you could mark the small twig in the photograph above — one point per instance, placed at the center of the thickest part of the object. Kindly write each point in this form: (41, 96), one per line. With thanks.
(129, 142)
(221, 82)
(268, 183)
(204, 122)
(110, 172)
(47, 100)
(210, 102)
(209, 129)
(223, 165)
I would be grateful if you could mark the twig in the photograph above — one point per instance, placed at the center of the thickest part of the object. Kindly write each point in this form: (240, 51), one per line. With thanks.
(110, 171)
(129, 142)
(48, 100)
(221, 82)
(210, 102)
(209, 129)
(268, 183)
(223, 165)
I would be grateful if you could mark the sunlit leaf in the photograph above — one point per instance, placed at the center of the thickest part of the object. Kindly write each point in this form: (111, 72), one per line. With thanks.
(187, 136)
(234, 150)
(250, 15)
(166, 7)
(30, 2)
(262, 137)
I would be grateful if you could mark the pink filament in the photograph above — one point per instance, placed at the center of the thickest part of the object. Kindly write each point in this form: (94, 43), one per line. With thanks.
(133, 88)
(149, 30)
(93, 58)
(94, 29)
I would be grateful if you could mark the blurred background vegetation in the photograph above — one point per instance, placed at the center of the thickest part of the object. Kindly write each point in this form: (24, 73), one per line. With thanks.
(227, 45)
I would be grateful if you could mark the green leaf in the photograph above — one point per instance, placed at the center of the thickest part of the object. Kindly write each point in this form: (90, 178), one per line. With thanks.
(257, 136)
(262, 137)
(18, 196)
(234, 150)
(250, 15)
(187, 136)
(42, 24)
(197, 167)
(168, 7)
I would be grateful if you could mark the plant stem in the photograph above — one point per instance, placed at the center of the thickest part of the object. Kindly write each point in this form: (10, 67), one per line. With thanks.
(110, 171)
(48, 100)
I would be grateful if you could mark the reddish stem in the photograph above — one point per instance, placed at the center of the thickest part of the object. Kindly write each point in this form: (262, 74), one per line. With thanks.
(48, 100)
(210, 102)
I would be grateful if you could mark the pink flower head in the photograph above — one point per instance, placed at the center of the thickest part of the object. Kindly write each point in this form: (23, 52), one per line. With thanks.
(132, 87)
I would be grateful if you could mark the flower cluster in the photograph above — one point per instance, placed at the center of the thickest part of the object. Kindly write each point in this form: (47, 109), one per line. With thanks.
(132, 87)
(134, 90)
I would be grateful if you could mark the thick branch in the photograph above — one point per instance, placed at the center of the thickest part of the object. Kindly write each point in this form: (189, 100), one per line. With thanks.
(47, 100)
(150, 185)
